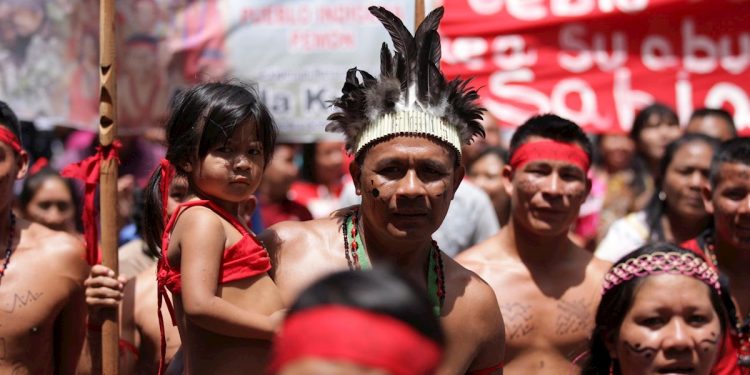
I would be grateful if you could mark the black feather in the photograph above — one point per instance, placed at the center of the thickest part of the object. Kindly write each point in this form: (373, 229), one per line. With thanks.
(386, 62)
(402, 39)
(415, 60)
(430, 23)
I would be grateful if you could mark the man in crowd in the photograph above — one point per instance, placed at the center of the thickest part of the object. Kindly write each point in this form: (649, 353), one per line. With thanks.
(42, 307)
(548, 288)
(727, 244)
(407, 169)
(712, 122)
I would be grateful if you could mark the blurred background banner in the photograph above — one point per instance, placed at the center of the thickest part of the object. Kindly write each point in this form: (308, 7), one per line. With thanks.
(298, 52)
(598, 61)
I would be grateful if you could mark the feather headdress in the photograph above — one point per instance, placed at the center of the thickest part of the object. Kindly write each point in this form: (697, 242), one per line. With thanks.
(411, 96)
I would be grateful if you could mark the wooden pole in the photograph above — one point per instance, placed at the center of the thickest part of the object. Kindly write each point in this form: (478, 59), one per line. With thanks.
(108, 175)
(418, 13)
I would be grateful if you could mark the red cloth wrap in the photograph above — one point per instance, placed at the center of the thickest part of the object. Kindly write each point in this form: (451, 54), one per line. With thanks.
(87, 170)
(167, 174)
(352, 335)
(38, 165)
(10, 139)
(550, 150)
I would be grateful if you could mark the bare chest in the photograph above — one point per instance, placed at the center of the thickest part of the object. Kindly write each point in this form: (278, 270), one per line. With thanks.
(30, 299)
(540, 320)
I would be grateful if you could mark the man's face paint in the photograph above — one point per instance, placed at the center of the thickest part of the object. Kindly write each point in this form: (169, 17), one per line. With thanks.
(547, 182)
(407, 184)
(729, 202)
(671, 327)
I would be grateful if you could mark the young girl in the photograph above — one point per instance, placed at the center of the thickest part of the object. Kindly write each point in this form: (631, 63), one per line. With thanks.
(220, 137)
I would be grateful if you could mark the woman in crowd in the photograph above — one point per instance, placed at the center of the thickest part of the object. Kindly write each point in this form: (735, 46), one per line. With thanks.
(654, 127)
(357, 323)
(50, 200)
(661, 312)
(675, 212)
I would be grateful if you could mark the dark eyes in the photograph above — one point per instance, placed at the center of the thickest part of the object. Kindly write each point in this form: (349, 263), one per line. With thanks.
(735, 195)
(652, 322)
(62, 206)
(656, 322)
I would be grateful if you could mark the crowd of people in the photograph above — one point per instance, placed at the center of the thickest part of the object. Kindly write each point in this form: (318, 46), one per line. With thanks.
(424, 240)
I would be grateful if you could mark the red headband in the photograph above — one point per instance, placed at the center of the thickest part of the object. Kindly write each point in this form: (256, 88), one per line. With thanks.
(550, 150)
(353, 335)
(10, 139)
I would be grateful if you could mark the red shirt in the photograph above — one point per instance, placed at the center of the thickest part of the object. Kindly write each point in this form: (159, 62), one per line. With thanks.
(287, 210)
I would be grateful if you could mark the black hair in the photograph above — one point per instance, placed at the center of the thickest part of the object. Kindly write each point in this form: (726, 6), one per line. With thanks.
(661, 111)
(656, 207)
(9, 120)
(33, 182)
(551, 127)
(736, 150)
(383, 291)
(492, 150)
(307, 171)
(202, 116)
(715, 112)
(617, 301)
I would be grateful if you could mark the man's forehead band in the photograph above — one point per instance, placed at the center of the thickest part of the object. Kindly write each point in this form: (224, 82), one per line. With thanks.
(550, 150)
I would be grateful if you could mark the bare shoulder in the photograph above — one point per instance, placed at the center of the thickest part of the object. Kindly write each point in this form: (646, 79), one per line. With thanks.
(476, 254)
(67, 250)
(487, 257)
(293, 236)
(473, 296)
(598, 267)
(198, 220)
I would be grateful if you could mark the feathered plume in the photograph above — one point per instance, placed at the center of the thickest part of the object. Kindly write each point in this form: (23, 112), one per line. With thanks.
(410, 80)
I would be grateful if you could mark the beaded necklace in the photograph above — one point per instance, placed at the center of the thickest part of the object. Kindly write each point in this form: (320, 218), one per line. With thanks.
(9, 249)
(356, 257)
(743, 327)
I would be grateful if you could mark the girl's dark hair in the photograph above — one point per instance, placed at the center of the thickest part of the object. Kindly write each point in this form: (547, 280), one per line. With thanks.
(203, 116)
(657, 207)
(382, 291)
(663, 113)
(33, 182)
(617, 301)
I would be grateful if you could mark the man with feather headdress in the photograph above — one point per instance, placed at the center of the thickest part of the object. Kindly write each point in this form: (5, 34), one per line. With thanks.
(405, 130)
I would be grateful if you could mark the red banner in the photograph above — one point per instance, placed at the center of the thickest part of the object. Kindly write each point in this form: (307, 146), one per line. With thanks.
(597, 62)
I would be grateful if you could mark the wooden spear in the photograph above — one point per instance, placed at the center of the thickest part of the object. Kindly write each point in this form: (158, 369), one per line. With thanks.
(108, 175)
(418, 13)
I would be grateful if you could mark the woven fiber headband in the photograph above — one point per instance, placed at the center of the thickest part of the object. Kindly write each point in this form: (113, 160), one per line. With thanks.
(674, 263)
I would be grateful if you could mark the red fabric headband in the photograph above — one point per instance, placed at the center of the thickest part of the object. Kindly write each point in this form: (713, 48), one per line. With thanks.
(10, 139)
(550, 150)
(352, 335)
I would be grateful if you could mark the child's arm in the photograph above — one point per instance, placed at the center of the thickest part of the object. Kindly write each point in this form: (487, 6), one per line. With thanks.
(201, 236)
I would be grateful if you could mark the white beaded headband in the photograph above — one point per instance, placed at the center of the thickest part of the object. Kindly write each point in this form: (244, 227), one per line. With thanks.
(408, 123)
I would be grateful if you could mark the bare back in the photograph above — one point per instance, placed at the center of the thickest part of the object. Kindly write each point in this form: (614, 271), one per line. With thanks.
(302, 252)
(42, 305)
(548, 311)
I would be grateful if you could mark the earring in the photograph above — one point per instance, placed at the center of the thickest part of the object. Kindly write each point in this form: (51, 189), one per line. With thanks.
(612, 368)
(662, 196)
